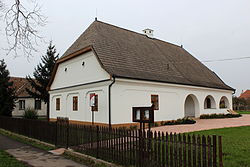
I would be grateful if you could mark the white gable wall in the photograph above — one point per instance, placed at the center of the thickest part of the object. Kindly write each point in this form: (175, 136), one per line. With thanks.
(76, 73)
(131, 93)
(80, 81)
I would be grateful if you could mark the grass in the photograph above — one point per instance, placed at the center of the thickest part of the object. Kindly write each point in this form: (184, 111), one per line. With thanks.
(85, 161)
(243, 112)
(236, 145)
(6, 160)
(26, 141)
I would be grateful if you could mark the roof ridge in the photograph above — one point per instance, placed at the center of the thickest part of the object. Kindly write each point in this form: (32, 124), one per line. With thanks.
(160, 40)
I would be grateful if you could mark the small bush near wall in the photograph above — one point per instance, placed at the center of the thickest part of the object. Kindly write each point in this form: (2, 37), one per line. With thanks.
(133, 127)
(185, 120)
(214, 116)
(30, 113)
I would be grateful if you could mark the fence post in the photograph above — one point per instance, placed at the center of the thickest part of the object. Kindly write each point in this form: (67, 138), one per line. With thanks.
(67, 124)
(97, 138)
(214, 151)
(220, 152)
(199, 151)
(209, 151)
(194, 150)
(184, 151)
(204, 151)
(56, 134)
(189, 151)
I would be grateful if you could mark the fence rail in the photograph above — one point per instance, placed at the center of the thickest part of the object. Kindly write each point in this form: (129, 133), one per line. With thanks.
(126, 147)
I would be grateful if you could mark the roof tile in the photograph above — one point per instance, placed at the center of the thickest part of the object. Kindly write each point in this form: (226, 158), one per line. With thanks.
(128, 54)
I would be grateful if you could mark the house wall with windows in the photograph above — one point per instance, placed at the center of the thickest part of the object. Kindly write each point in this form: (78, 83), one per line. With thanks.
(75, 80)
(24, 100)
(74, 103)
(23, 103)
(175, 101)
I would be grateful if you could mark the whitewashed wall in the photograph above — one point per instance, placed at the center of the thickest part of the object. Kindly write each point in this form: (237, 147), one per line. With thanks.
(77, 73)
(84, 110)
(78, 81)
(29, 103)
(131, 93)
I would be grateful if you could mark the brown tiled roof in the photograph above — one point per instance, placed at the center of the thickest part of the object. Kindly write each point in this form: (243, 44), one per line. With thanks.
(128, 54)
(245, 95)
(20, 85)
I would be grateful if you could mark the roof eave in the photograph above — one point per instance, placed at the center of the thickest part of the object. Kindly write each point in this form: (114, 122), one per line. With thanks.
(151, 80)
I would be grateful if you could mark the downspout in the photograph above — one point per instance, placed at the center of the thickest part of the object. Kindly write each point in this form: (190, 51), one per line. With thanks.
(110, 100)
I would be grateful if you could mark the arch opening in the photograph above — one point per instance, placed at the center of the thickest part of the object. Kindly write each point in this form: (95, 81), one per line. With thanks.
(191, 106)
(224, 102)
(209, 102)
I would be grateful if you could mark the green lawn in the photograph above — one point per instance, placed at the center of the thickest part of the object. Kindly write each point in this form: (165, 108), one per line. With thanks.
(243, 112)
(6, 160)
(236, 145)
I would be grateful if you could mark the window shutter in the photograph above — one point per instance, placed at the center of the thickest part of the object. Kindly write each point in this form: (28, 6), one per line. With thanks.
(75, 103)
(95, 108)
(57, 104)
(155, 102)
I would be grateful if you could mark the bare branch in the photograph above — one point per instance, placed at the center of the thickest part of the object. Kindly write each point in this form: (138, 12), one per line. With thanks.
(22, 28)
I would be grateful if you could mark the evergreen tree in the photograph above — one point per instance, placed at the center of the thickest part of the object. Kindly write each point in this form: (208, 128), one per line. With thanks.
(42, 75)
(7, 94)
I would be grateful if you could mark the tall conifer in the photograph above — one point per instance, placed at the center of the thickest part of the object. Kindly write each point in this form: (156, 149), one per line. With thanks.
(42, 75)
(7, 94)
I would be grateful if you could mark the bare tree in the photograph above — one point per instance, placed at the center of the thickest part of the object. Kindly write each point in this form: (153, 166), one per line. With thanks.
(22, 26)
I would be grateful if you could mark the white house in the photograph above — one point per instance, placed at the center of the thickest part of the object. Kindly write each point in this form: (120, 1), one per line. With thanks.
(126, 69)
(24, 100)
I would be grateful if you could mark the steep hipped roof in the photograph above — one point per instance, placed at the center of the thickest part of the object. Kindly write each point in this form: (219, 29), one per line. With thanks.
(124, 53)
(245, 95)
(20, 85)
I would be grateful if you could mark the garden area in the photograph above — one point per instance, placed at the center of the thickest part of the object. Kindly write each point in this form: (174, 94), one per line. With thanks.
(236, 144)
(243, 112)
(6, 160)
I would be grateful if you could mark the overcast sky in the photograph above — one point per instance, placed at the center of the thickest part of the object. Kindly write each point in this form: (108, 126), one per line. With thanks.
(209, 30)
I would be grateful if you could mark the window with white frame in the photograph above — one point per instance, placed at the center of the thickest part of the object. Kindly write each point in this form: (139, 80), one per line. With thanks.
(21, 104)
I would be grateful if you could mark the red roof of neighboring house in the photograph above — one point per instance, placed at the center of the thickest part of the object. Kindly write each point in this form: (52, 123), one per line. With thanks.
(20, 85)
(245, 95)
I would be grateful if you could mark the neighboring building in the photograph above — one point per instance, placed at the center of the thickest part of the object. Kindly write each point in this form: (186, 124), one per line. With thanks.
(126, 69)
(245, 95)
(24, 100)
(244, 101)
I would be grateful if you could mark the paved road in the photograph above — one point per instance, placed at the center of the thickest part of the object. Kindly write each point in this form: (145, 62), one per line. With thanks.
(205, 124)
(33, 156)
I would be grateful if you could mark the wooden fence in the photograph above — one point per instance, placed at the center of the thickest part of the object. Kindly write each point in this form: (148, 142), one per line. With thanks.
(126, 147)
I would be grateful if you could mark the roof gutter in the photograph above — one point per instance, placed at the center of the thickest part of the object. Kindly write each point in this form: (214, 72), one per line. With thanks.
(110, 100)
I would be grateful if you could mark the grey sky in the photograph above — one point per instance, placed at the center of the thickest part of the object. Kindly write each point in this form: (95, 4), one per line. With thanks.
(214, 29)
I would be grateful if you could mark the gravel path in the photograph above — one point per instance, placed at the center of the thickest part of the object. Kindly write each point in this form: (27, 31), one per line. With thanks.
(205, 124)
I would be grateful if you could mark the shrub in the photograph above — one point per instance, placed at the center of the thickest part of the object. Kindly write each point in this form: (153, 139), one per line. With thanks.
(162, 123)
(155, 124)
(185, 120)
(133, 127)
(214, 116)
(30, 113)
